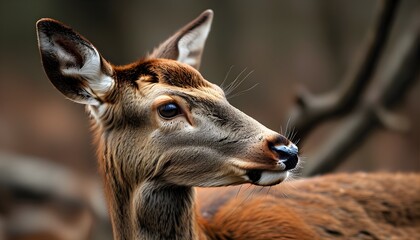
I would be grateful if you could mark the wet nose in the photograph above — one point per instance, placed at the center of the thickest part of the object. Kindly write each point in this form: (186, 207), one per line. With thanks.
(288, 154)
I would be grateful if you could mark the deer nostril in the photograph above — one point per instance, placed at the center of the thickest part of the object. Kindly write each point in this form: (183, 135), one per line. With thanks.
(288, 155)
(290, 162)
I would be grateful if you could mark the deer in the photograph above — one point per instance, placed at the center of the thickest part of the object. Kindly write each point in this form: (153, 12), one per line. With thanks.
(173, 153)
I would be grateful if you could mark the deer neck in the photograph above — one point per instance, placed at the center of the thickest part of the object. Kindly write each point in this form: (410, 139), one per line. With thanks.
(151, 209)
(164, 212)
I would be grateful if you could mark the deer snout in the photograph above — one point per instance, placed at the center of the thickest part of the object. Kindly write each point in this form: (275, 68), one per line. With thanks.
(286, 151)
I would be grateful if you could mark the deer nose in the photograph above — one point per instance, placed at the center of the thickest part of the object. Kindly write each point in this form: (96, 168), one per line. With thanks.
(288, 154)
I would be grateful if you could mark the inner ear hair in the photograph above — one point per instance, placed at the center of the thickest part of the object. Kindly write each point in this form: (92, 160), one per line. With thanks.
(187, 44)
(72, 63)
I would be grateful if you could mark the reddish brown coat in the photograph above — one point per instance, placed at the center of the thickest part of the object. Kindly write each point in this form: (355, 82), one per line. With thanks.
(341, 206)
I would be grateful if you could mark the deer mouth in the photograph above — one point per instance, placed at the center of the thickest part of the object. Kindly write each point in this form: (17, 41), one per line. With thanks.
(265, 177)
(269, 172)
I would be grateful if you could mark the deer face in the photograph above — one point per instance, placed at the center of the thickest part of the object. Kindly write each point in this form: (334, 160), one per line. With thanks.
(158, 119)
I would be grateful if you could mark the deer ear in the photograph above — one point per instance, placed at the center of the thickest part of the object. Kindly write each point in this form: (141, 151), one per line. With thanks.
(73, 64)
(187, 44)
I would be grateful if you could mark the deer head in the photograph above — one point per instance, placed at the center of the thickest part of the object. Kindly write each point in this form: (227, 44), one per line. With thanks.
(163, 129)
(158, 118)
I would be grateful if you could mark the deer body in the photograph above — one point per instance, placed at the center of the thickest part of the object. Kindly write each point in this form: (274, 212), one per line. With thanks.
(340, 206)
(162, 130)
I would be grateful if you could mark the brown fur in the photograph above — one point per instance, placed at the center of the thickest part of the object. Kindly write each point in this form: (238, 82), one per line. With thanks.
(340, 206)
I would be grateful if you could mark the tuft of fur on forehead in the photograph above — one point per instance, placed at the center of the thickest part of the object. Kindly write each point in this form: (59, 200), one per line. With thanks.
(163, 71)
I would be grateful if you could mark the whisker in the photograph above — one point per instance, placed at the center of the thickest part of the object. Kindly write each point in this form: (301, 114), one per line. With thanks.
(239, 190)
(243, 79)
(260, 189)
(243, 91)
(252, 192)
(293, 134)
(231, 85)
(287, 127)
(237, 82)
(226, 77)
(268, 191)
(283, 191)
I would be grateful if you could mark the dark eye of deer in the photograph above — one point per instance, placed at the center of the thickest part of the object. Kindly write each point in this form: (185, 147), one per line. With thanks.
(169, 110)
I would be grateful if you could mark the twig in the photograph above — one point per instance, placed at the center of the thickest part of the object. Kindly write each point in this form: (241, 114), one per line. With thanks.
(311, 110)
(402, 72)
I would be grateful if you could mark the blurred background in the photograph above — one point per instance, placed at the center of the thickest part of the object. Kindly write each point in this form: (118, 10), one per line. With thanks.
(287, 44)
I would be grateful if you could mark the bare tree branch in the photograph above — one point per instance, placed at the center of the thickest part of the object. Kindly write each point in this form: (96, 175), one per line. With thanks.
(402, 71)
(312, 110)
(70, 205)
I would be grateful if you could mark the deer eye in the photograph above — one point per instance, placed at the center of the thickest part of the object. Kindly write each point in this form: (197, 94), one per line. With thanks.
(169, 110)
